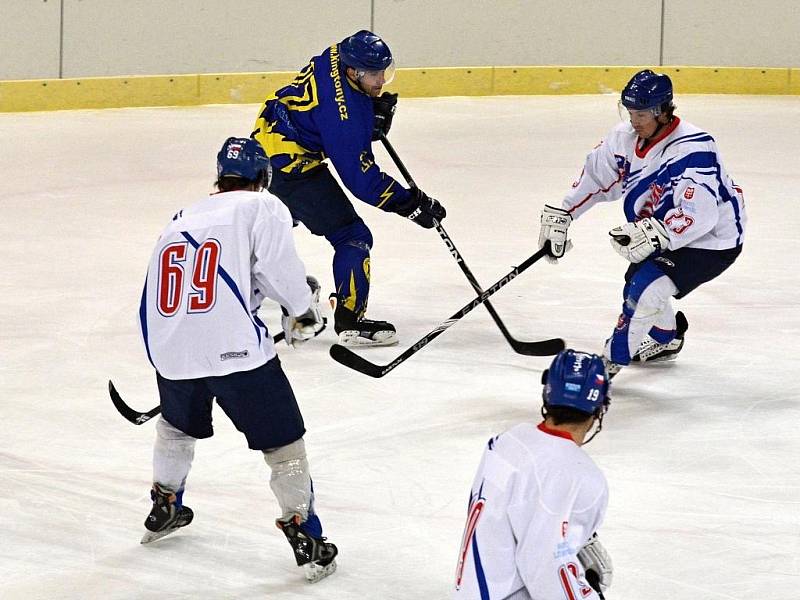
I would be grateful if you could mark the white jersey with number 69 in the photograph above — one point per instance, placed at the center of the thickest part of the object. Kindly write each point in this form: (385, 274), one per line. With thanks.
(536, 500)
(213, 265)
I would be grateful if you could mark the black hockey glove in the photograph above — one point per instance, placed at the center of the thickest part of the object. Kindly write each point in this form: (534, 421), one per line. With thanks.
(421, 209)
(384, 107)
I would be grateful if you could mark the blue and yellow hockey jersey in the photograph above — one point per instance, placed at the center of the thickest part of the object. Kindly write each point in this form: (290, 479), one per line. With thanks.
(320, 115)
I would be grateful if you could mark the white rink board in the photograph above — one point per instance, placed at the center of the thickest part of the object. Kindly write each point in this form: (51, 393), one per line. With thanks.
(701, 455)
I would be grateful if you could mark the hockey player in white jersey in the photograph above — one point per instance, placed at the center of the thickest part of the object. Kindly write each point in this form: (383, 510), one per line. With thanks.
(685, 216)
(538, 499)
(211, 268)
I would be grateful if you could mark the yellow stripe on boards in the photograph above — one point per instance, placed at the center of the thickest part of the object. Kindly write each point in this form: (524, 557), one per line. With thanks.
(251, 88)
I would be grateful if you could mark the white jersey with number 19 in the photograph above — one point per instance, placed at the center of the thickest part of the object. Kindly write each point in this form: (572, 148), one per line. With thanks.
(536, 500)
(213, 265)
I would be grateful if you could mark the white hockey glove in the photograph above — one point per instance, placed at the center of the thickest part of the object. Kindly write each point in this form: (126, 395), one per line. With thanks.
(636, 241)
(309, 324)
(554, 225)
(597, 565)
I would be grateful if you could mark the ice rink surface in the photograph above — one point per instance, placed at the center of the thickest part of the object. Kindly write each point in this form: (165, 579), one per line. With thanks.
(701, 455)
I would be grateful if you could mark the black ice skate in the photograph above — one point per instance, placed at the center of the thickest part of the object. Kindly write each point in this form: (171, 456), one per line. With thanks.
(651, 351)
(165, 517)
(315, 555)
(360, 332)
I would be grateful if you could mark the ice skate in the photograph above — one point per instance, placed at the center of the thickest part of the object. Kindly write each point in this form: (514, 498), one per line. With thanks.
(612, 368)
(652, 351)
(354, 331)
(165, 516)
(314, 554)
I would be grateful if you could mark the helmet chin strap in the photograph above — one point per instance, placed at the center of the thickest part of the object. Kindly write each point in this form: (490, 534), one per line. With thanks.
(597, 429)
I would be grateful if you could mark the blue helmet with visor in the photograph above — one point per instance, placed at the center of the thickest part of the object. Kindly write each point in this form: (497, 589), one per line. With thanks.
(367, 53)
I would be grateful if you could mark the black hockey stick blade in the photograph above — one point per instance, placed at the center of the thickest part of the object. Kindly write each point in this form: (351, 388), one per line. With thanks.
(350, 359)
(549, 347)
(134, 416)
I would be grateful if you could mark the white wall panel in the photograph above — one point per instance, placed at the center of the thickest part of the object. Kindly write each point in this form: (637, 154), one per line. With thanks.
(732, 33)
(29, 38)
(520, 32)
(124, 37)
(151, 37)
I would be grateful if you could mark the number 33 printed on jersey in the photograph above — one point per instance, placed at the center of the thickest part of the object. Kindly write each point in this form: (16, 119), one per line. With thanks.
(204, 277)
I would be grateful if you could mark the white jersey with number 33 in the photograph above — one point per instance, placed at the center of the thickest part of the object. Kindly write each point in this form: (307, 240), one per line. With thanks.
(536, 500)
(213, 265)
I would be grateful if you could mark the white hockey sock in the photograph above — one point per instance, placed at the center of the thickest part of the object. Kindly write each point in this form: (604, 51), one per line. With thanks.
(172, 455)
(666, 319)
(291, 480)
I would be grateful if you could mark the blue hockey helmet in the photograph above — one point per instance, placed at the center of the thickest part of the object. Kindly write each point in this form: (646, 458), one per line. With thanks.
(365, 51)
(576, 380)
(646, 90)
(241, 157)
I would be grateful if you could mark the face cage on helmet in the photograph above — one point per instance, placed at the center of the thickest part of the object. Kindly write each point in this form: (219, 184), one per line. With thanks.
(388, 73)
(626, 113)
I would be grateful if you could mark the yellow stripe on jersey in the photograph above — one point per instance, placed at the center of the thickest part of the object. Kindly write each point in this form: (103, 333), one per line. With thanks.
(307, 84)
(275, 143)
(386, 195)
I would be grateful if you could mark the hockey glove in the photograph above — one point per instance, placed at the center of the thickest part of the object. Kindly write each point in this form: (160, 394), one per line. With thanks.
(636, 241)
(384, 107)
(421, 209)
(554, 226)
(597, 564)
(309, 324)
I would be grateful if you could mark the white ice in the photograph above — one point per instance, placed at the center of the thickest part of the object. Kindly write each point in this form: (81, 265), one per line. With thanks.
(702, 455)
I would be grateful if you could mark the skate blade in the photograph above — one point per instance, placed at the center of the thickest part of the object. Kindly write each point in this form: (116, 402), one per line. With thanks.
(152, 536)
(315, 573)
(381, 338)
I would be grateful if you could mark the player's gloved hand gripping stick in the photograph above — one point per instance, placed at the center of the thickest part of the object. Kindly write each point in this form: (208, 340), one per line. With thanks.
(542, 348)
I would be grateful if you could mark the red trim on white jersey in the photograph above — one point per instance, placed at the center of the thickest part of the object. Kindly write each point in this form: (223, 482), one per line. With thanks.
(556, 432)
(667, 130)
(601, 190)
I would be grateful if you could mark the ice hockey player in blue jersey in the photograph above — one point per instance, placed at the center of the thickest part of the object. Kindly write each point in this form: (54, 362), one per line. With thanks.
(334, 110)
(685, 217)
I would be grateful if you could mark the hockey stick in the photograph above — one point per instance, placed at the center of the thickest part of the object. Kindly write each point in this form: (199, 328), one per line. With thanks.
(542, 348)
(352, 360)
(137, 418)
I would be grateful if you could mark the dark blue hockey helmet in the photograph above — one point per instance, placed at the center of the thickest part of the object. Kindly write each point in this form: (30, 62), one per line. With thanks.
(576, 380)
(365, 51)
(646, 90)
(241, 157)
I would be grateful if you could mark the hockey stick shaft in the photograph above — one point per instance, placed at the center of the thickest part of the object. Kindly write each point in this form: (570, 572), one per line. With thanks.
(398, 163)
(352, 360)
(541, 348)
(138, 418)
